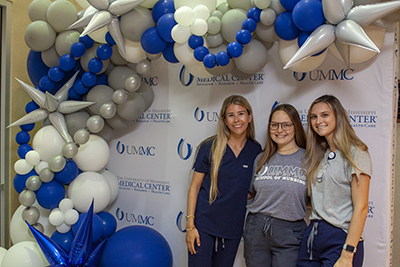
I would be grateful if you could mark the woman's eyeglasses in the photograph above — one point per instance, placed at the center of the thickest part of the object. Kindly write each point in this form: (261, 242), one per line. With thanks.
(285, 125)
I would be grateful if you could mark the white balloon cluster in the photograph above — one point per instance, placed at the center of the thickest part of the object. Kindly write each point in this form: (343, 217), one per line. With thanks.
(190, 21)
(64, 216)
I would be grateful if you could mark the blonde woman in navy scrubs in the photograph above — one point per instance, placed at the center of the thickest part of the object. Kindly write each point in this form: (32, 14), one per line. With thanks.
(217, 196)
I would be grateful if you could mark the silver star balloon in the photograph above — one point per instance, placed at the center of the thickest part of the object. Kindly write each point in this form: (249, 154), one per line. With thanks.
(52, 107)
(344, 28)
(106, 14)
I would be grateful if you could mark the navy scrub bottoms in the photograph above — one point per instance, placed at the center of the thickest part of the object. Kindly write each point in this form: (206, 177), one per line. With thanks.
(322, 245)
(214, 251)
(269, 241)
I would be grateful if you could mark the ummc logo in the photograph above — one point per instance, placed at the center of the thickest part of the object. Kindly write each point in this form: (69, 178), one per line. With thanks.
(133, 150)
(181, 146)
(132, 218)
(179, 222)
(152, 81)
(199, 115)
(185, 77)
(319, 75)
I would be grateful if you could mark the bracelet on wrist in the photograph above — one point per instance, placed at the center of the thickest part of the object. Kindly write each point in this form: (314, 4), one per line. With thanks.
(190, 229)
(189, 216)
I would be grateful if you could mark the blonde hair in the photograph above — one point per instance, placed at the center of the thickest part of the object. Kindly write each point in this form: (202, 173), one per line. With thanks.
(299, 134)
(343, 137)
(220, 140)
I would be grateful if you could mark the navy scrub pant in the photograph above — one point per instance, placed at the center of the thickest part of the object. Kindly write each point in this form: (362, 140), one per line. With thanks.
(214, 251)
(322, 245)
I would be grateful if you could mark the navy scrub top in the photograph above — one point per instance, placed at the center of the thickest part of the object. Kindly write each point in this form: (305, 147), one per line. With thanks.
(225, 216)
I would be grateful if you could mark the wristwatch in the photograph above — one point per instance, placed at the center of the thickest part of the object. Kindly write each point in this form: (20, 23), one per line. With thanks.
(349, 248)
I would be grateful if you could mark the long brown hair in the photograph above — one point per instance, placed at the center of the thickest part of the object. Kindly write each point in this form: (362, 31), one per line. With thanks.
(270, 146)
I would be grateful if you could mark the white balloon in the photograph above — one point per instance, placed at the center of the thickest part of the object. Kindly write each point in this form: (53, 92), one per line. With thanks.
(71, 217)
(113, 182)
(48, 142)
(184, 16)
(277, 7)
(184, 53)
(199, 27)
(56, 217)
(201, 12)
(180, 33)
(3, 252)
(65, 204)
(24, 254)
(63, 228)
(32, 157)
(89, 186)
(262, 4)
(22, 167)
(134, 51)
(93, 155)
(210, 4)
(268, 17)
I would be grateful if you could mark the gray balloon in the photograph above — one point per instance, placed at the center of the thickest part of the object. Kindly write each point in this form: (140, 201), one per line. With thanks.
(108, 110)
(232, 23)
(217, 13)
(27, 198)
(99, 94)
(38, 226)
(132, 108)
(33, 183)
(57, 163)
(69, 150)
(153, 56)
(65, 40)
(117, 123)
(46, 175)
(81, 136)
(116, 57)
(144, 67)
(224, 7)
(120, 96)
(90, 54)
(117, 77)
(31, 215)
(147, 93)
(37, 10)
(132, 83)
(76, 121)
(95, 124)
(50, 57)
(142, 20)
(214, 40)
(61, 14)
(253, 58)
(39, 36)
(240, 75)
(106, 133)
(214, 24)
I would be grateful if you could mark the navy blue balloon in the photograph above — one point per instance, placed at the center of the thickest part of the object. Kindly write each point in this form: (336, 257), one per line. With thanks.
(87, 41)
(151, 41)
(20, 180)
(78, 68)
(73, 95)
(109, 39)
(104, 51)
(46, 84)
(169, 54)
(162, 7)
(165, 25)
(78, 49)
(27, 127)
(234, 49)
(88, 79)
(285, 27)
(102, 79)
(195, 41)
(66, 62)
(36, 67)
(50, 194)
(243, 37)
(68, 174)
(22, 137)
(97, 226)
(56, 74)
(289, 4)
(249, 24)
(222, 58)
(210, 61)
(200, 52)
(308, 15)
(31, 106)
(95, 65)
(109, 223)
(137, 245)
(23, 149)
(79, 88)
(64, 240)
(254, 13)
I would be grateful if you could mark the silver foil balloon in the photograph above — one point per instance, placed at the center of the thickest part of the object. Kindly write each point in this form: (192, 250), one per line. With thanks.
(133, 82)
(95, 124)
(46, 175)
(57, 163)
(27, 198)
(33, 183)
(81, 136)
(70, 150)
(31, 214)
(119, 96)
(108, 110)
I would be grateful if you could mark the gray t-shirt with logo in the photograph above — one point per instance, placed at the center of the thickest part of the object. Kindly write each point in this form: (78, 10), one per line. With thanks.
(331, 194)
(280, 187)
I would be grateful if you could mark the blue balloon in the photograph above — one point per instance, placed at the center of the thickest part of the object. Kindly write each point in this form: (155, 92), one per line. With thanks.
(78, 68)
(308, 15)
(46, 84)
(78, 49)
(137, 245)
(195, 41)
(73, 95)
(234, 49)
(79, 88)
(36, 67)
(104, 51)
(109, 223)
(169, 54)
(109, 39)
(210, 60)
(151, 41)
(254, 13)
(23, 149)
(64, 240)
(162, 7)
(165, 25)
(56, 74)
(223, 58)
(20, 180)
(68, 174)
(66, 62)
(285, 27)
(95, 65)
(88, 79)
(249, 24)
(22, 137)
(243, 37)
(200, 52)
(102, 79)
(289, 4)
(31, 106)
(27, 127)
(97, 226)
(87, 41)
(50, 194)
